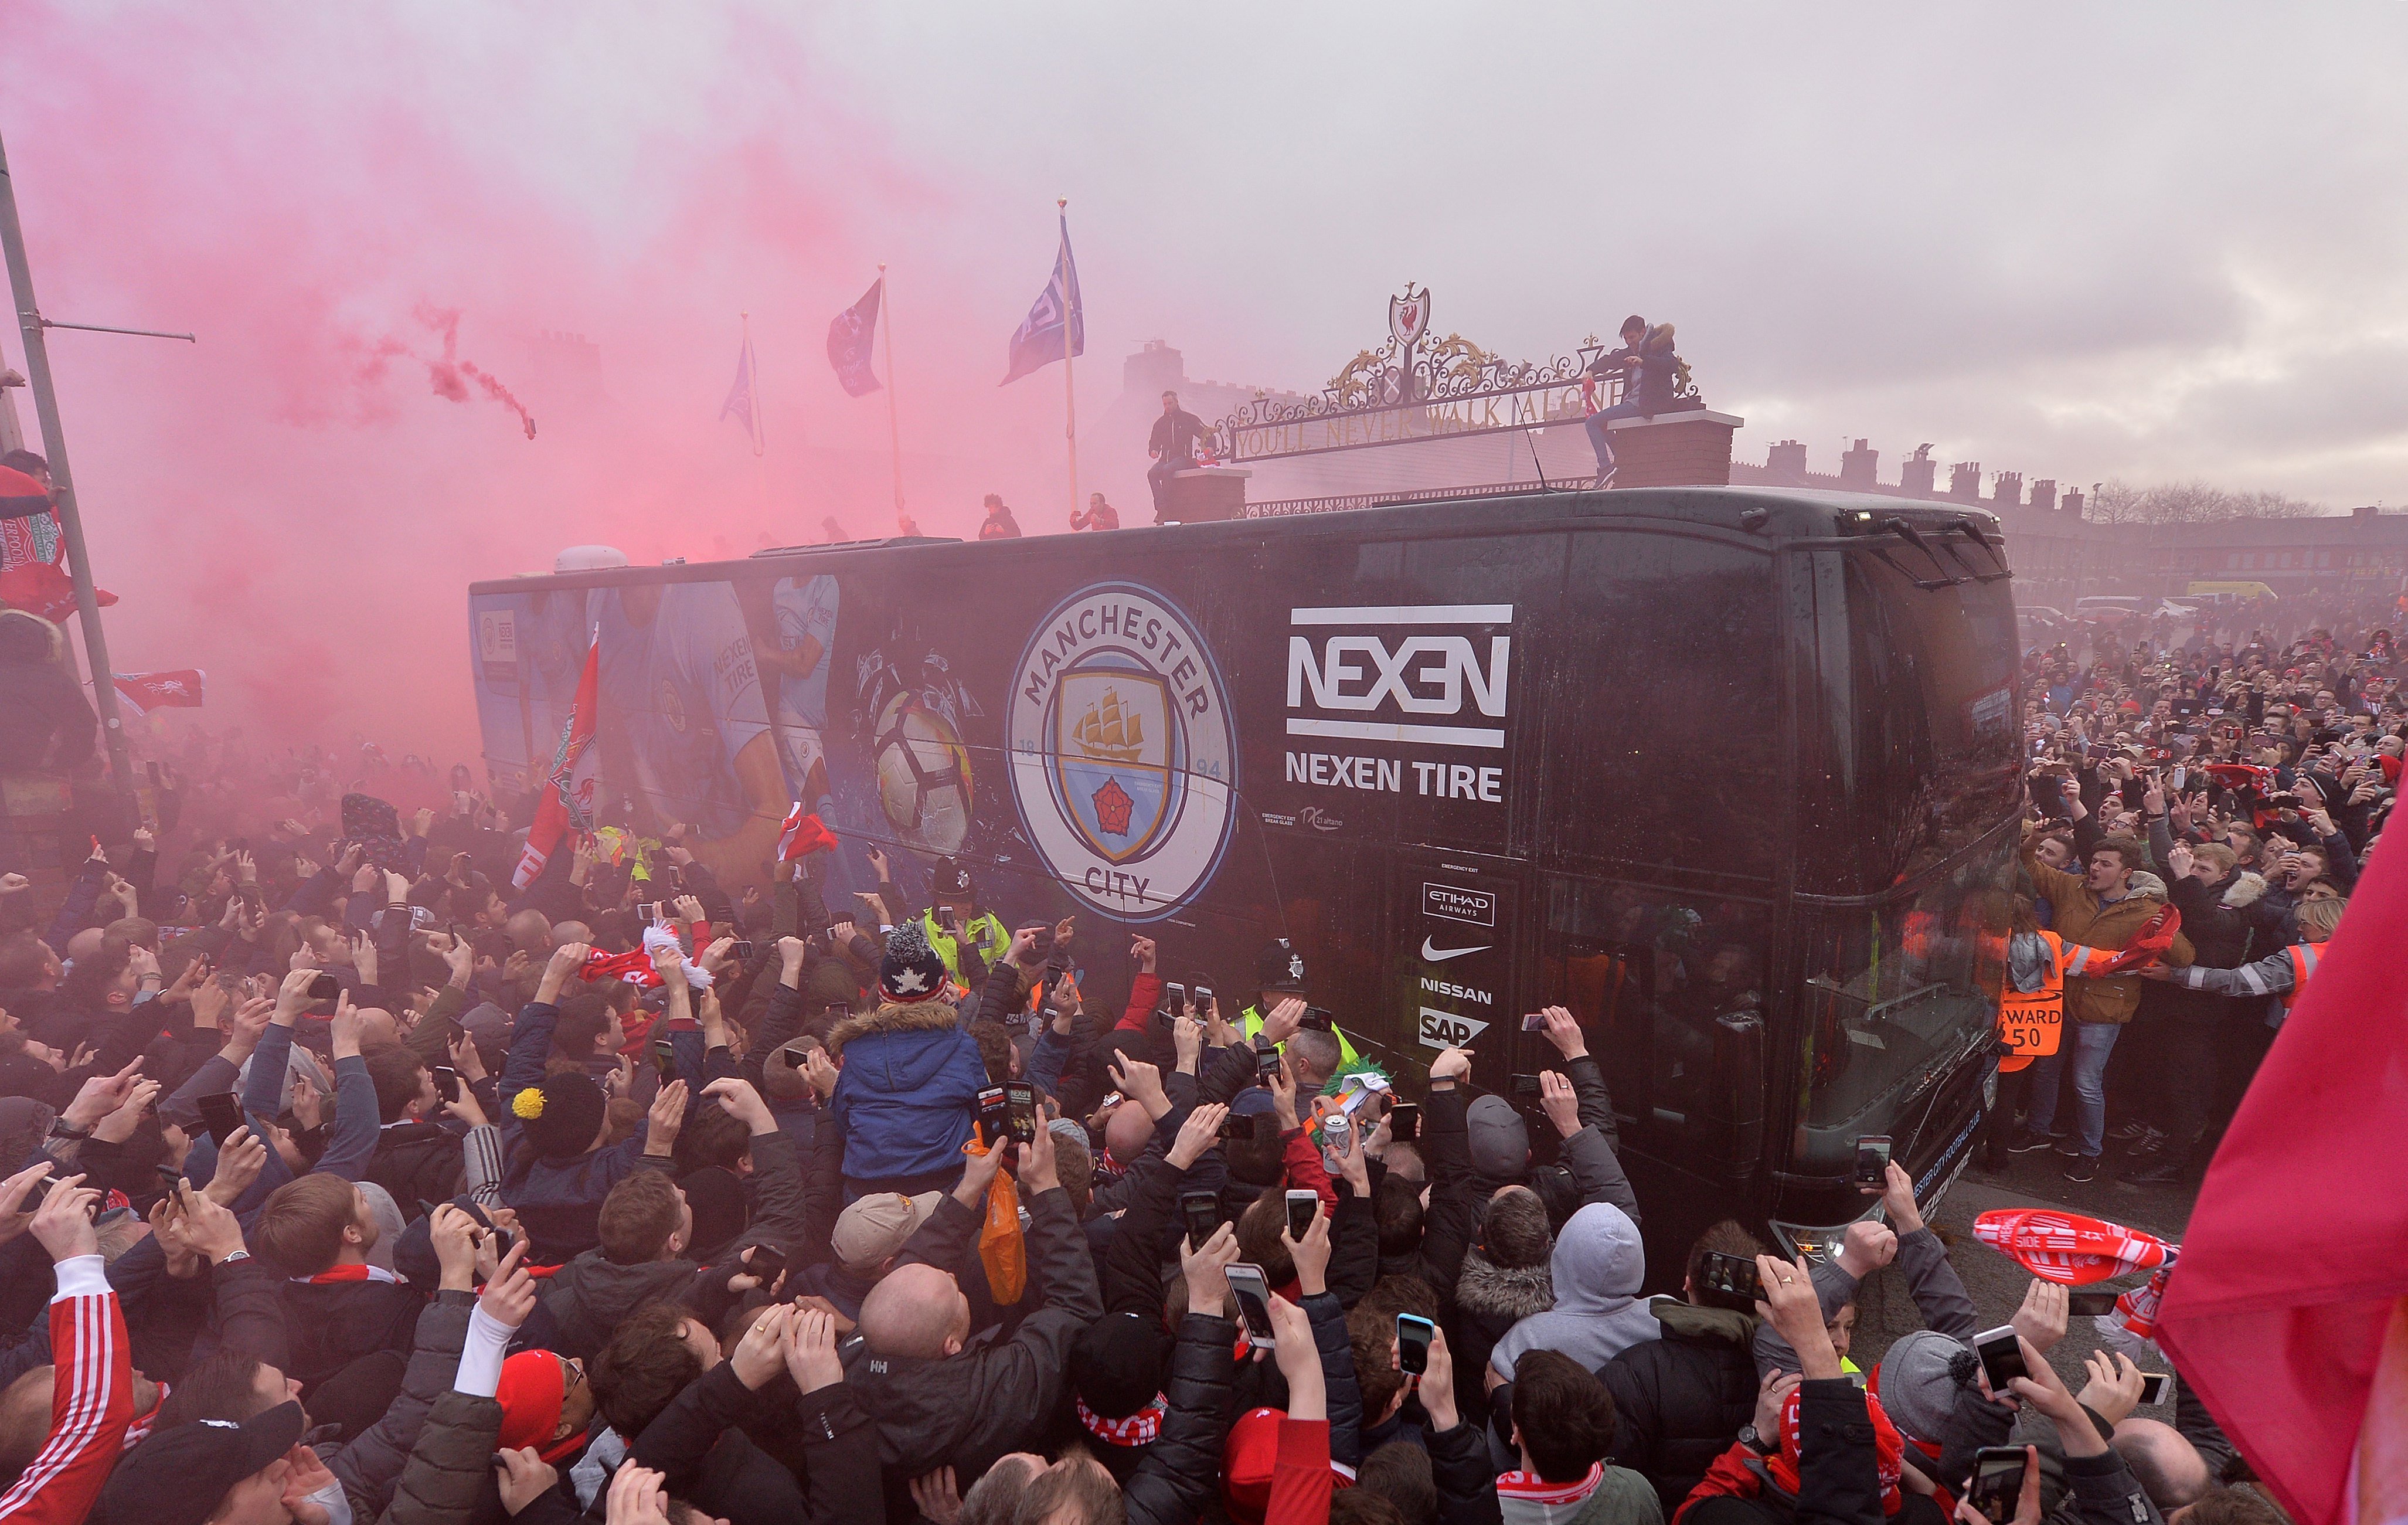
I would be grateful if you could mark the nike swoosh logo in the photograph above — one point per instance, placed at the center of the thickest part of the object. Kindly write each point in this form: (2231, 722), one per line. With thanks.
(1438, 956)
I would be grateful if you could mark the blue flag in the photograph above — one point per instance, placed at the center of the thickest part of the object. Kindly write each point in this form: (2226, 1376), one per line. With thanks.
(741, 404)
(849, 337)
(1054, 322)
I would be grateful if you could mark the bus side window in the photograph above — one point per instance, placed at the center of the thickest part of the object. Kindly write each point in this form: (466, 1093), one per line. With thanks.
(1611, 992)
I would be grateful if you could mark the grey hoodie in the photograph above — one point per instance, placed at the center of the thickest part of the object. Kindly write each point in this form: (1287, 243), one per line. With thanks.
(1598, 1267)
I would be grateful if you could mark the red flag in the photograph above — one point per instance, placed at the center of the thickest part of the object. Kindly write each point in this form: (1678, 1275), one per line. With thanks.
(148, 691)
(2296, 1252)
(801, 834)
(568, 801)
(2067, 1247)
(44, 588)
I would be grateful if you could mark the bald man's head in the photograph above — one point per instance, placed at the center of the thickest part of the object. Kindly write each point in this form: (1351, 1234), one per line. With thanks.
(566, 932)
(378, 1029)
(1126, 1132)
(917, 1311)
(2168, 1467)
(530, 931)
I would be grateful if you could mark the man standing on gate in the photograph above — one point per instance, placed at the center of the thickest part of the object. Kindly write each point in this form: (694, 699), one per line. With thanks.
(1173, 449)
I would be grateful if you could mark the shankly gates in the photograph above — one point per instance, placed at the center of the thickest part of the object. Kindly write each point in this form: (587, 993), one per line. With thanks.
(1418, 390)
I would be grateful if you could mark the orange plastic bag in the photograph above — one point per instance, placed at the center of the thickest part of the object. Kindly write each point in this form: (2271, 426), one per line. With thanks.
(1001, 1249)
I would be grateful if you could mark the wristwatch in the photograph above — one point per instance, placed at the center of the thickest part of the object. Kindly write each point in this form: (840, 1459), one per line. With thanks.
(1753, 1442)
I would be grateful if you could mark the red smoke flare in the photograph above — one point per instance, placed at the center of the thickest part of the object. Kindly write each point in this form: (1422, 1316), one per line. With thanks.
(445, 374)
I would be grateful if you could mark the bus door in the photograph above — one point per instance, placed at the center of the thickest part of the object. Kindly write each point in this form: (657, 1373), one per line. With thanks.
(1454, 917)
(1669, 990)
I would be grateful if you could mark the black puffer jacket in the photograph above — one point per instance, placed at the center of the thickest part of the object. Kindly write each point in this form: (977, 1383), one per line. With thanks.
(417, 1162)
(1181, 1469)
(1679, 1399)
(450, 1468)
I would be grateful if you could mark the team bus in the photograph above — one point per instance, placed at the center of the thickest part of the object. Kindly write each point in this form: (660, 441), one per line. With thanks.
(1733, 774)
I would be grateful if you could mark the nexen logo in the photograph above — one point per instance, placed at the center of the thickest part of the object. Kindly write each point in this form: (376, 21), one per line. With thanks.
(1421, 675)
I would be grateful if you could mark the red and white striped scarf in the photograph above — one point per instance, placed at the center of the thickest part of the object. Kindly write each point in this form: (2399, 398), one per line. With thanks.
(1139, 1429)
(344, 1273)
(1524, 1497)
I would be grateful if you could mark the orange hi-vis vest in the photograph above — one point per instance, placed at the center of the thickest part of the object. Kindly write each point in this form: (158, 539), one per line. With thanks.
(2303, 963)
(2032, 1022)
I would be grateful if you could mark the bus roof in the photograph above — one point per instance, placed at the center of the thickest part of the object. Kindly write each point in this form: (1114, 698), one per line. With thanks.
(1773, 514)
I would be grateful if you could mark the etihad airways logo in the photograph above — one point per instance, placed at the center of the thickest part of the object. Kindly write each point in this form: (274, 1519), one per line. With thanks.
(1376, 683)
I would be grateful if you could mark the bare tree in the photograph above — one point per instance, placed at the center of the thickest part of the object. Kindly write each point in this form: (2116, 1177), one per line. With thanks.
(2190, 503)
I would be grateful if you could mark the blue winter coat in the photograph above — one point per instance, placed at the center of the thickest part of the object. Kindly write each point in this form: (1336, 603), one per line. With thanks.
(908, 1093)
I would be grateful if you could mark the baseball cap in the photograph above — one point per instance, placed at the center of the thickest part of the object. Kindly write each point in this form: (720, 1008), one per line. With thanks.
(876, 1227)
(179, 1476)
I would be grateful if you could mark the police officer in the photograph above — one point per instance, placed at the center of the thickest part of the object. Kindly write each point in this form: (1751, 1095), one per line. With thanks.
(1279, 974)
(957, 917)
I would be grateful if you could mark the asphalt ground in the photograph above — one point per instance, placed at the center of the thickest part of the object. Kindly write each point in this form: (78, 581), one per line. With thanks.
(1997, 1283)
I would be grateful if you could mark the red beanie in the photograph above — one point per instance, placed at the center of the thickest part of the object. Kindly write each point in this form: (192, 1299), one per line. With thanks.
(531, 1392)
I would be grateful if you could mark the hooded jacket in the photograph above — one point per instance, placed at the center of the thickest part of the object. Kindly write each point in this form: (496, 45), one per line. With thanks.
(1489, 1300)
(2078, 915)
(1598, 1267)
(909, 1089)
(1678, 1400)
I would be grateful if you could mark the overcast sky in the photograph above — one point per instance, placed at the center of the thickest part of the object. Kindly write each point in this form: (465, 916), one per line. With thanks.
(2136, 241)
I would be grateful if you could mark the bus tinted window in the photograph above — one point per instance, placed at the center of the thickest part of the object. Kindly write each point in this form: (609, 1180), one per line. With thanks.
(1891, 989)
(1663, 713)
(1934, 715)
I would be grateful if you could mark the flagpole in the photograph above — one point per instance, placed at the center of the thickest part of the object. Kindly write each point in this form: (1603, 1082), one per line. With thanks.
(1070, 314)
(894, 423)
(753, 382)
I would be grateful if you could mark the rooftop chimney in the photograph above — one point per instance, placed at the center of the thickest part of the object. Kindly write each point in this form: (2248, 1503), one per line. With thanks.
(2365, 510)
(2043, 494)
(1859, 468)
(2070, 503)
(2007, 492)
(1787, 456)
(1965, 481)
(1917, 473)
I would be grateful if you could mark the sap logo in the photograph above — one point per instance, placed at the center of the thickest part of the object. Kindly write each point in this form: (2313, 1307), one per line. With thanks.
(1413, 675)
(1460, 992)
(1444, 1030)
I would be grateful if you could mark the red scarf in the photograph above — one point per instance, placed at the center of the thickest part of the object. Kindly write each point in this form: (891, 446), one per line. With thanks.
(363, 1271)
(1139, 1429)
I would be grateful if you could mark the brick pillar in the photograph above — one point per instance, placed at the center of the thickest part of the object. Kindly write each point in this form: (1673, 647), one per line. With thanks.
(2043, 494)
(1205, 492)
(1860, 469)
(1787, 455)
(1674, 449)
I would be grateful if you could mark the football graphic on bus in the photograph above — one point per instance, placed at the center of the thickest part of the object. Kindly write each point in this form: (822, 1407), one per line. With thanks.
(924, 774)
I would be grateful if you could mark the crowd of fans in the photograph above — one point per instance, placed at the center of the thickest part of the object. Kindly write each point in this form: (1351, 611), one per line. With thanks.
(350, 1184)
(2240, 785)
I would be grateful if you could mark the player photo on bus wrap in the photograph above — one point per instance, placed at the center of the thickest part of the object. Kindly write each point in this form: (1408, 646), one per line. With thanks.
(683, 729)
(792, 625)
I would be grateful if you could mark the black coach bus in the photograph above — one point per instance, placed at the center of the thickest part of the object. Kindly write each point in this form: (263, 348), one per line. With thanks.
(1733, 774)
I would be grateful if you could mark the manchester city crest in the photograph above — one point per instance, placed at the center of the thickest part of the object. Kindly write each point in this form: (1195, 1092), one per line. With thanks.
(1124, 757)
